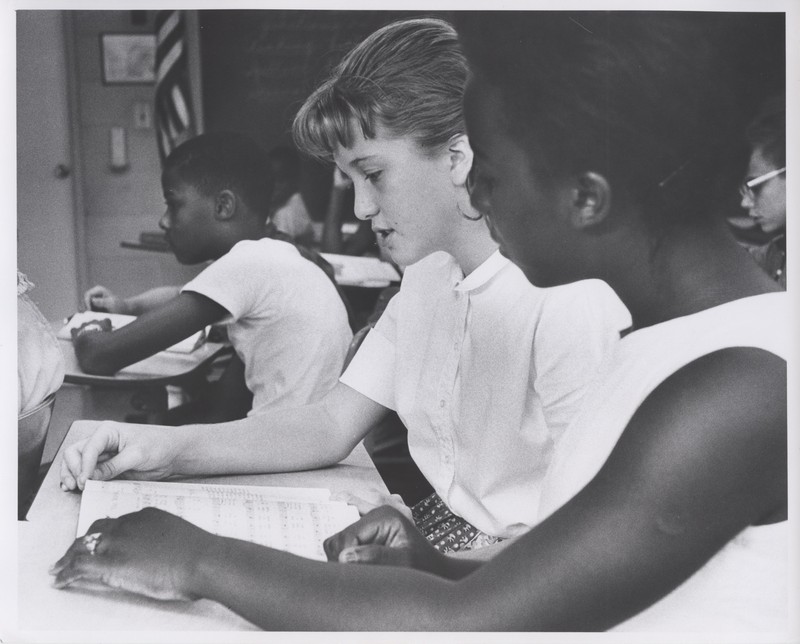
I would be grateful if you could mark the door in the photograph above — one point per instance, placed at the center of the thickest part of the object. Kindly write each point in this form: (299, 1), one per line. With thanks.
(46, 235)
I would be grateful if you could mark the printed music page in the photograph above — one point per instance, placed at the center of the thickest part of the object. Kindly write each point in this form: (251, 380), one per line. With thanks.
(296, 520)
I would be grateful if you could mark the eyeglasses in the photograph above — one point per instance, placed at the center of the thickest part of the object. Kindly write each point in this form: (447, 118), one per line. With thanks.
(746, 189)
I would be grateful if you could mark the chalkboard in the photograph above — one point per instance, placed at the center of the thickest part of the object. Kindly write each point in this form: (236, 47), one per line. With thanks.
(259, 66)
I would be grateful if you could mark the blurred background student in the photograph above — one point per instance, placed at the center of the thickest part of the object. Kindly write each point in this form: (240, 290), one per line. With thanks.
(288, 211)
(763, 190)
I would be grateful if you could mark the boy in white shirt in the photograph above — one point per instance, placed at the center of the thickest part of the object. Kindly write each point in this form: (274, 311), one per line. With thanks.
(285, 319)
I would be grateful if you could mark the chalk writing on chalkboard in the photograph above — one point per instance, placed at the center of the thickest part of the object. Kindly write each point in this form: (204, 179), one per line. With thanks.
(259, 66)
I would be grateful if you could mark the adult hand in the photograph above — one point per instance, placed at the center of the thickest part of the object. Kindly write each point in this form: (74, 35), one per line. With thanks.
(139, 451)
(150, 552)
(99, 298)
(384, 536)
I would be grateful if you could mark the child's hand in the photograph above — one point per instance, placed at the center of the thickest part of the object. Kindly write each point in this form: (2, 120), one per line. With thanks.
(99, 298)
(384, 536)
(93, 326)
(144, 452)
(150, 552)
(368, 500)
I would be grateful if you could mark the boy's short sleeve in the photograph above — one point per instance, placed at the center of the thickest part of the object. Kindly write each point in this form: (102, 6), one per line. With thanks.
(371, 372)
(225, 280)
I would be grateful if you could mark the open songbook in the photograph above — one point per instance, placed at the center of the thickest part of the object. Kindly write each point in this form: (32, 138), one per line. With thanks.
(296, 520)
(119, 320)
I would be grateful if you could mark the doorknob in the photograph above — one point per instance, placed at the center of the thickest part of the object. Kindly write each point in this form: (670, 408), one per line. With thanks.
(62, 171)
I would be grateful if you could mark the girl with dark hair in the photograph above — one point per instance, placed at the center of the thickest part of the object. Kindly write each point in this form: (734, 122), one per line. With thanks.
(665, 509)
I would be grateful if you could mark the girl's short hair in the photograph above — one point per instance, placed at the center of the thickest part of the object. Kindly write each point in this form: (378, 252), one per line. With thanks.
(407, 77)
(641, 97)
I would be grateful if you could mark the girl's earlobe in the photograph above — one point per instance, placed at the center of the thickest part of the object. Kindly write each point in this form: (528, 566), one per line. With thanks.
(461, 159)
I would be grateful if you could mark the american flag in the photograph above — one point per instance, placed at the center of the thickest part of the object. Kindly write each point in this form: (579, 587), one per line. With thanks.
(175, 121)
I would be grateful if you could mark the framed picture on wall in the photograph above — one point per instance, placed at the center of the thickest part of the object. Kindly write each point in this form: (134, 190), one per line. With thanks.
(128, 58)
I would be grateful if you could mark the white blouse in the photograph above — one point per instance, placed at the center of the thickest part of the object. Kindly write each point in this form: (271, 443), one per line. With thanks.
(486, 371)
(744, 587)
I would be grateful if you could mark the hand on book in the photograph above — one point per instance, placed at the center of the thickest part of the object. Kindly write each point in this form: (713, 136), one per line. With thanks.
(149, 552)
(384, 536)
(139, 451)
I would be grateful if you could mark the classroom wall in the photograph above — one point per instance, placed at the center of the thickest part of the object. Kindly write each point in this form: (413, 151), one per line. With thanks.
(46, 236)
(117, 204)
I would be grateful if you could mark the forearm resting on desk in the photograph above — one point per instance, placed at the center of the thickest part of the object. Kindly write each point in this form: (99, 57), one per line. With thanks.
(100, 298)
(154, 331)
(138, 304)
(281, 440)
(279, 591)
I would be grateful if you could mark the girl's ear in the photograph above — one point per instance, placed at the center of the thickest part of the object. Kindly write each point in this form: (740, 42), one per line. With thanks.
(225, 205)
(460, 156)
(591, 200)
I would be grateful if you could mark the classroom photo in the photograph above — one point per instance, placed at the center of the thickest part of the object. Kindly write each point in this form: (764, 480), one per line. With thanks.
(423, 322)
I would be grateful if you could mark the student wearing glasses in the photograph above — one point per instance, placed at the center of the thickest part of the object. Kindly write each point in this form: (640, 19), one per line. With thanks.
(764, 190)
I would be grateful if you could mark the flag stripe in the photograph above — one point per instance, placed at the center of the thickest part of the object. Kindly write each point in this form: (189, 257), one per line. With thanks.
(169, 61)
(166, 26)
(174, 114)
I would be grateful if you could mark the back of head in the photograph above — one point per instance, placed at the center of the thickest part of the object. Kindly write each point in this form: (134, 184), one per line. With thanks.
(225, 161)
(767, 131)
(408, 77)
(639, 97)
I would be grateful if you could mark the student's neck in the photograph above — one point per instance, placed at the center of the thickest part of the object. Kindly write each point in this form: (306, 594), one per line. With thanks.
(472, 246)
(689, 272)
(228, 241)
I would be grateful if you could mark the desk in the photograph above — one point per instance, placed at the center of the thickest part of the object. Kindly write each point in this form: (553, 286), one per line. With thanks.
(163, 368)
(366, 272)
(50, 529)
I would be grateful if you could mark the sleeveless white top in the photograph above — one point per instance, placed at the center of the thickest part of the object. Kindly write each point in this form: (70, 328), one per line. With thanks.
(744, 587)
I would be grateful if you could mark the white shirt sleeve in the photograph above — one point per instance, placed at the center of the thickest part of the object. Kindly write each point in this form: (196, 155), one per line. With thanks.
(372, 370)
(577, 333)
(224, 281)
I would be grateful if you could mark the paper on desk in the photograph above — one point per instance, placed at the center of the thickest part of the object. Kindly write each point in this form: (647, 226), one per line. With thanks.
(119, 320)
(351, 270)
(297, 520)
